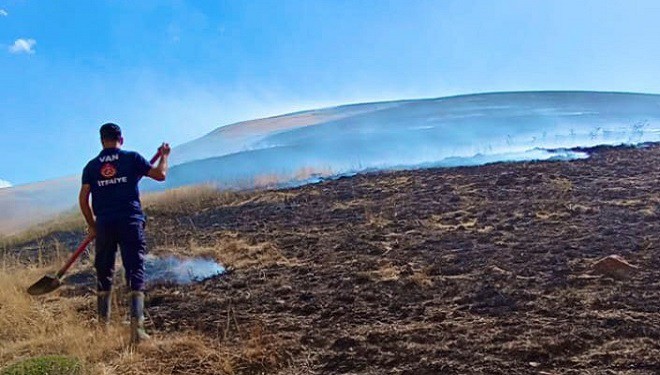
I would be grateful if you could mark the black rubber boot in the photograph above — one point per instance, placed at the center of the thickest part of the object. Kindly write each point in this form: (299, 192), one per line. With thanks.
(138, 333)
(103, 305)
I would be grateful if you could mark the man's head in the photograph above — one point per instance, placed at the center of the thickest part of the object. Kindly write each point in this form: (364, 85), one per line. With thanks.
(111, 135)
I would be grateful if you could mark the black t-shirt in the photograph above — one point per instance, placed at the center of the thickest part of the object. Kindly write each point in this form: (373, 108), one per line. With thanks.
(113, 176)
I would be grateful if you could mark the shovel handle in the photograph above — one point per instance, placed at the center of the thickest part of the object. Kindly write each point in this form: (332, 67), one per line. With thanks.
(74, 256)
(155, 158)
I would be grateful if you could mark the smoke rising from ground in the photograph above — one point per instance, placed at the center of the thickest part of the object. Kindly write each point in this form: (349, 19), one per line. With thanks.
(180, 271)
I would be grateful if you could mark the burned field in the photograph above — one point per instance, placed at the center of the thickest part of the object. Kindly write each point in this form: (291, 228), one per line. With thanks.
(483, 270)
(468, 270)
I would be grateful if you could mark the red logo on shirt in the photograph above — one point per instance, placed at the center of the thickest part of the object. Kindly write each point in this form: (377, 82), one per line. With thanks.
(108, 170)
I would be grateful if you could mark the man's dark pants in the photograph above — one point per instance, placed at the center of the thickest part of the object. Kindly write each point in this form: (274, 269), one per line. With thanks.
(129, 235)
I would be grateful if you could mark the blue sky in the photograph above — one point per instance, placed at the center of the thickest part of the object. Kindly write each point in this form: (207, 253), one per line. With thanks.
(175, 70)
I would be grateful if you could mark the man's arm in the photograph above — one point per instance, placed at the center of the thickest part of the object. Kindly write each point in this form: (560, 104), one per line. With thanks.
(83, 201)
(159, 173)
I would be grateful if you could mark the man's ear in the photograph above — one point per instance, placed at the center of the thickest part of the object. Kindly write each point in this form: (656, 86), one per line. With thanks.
(121, 140)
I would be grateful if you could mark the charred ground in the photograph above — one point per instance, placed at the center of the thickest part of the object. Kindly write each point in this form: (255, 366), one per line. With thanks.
(482, 270)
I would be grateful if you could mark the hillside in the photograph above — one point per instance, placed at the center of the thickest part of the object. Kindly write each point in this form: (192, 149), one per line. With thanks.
(452, 131)
(480, 270)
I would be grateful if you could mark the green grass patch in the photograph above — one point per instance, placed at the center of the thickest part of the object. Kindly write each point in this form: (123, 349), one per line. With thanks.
(47, 365)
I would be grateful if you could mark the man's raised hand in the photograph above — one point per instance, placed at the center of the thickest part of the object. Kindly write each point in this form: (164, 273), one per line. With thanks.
(165, 149)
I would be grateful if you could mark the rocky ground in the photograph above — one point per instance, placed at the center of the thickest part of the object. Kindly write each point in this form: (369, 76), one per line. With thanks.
(484, 270)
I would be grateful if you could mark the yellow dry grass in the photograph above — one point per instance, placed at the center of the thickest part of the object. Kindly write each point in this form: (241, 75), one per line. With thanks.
(32, 326)
(232, 251)
(386, 272)
(57, 325)
(440, 222)
(422, 279)
(65, 222)
(190, 199)
(376, 219)
(60, 325)
(271, 181)
(175, 201)
(178, 201)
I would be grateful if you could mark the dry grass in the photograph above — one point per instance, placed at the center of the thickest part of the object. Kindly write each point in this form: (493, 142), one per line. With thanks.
(171, 202)
(56, 325)
(235, 252)
(44, 326)
(188, 353)
(422, 279)
(174, 202)
(190, 199)
(390, 272)
(272, 181)
(386, 272)
(376, 219)
(562, 185)
(65, 222)
(232, 251)
(452, 221)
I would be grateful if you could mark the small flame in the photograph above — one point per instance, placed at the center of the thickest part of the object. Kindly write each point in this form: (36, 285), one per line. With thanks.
(180, 271)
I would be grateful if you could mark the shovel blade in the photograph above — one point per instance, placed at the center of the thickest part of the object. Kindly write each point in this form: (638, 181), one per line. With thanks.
(45, 285)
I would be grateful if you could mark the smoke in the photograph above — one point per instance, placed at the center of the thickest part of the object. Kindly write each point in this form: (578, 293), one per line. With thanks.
(180, 271)
(309, 146)
(446, 132)
(4, 184)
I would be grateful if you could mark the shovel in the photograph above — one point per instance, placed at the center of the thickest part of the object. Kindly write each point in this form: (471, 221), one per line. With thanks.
(49, 283)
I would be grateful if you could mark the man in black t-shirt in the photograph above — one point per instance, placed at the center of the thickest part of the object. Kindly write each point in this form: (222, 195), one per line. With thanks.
(112, 179)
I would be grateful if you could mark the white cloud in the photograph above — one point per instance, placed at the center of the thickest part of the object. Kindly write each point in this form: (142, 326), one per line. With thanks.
(3, 13)
(23, 46)
(4, 184)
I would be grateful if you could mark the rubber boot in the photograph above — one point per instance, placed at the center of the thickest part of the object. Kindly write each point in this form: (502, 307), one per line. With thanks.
(138, 333)
(103, 305)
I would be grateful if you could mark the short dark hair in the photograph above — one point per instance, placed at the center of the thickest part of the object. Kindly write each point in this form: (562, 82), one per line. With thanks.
(110, 132)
